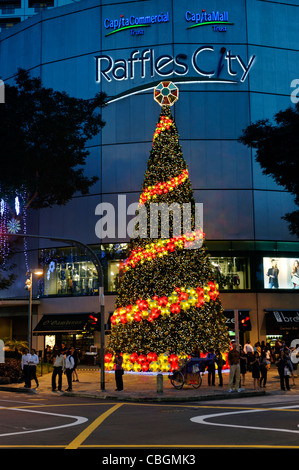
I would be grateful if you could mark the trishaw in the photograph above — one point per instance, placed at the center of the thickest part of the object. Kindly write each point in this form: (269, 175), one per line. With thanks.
(189, 373)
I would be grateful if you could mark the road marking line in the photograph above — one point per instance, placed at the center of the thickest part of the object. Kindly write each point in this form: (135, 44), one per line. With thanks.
(84, 434)
(202, 419)
(78, 420)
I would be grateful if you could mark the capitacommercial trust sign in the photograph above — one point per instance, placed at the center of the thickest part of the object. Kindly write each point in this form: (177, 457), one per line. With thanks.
(135, 69)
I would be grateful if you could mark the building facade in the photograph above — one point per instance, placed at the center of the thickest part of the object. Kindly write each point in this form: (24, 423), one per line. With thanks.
(233, 63)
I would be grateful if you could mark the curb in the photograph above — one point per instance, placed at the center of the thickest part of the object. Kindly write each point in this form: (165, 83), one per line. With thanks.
(18, 389)
(153, 398)
(162, 398)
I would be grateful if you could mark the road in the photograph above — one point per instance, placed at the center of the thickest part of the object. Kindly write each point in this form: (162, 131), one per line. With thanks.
(62, 422)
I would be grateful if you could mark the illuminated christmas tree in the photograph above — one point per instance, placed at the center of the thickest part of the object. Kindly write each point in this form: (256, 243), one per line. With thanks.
(168, 303)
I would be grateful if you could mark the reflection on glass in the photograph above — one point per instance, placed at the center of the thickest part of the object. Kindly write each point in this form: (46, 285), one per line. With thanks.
(231, 273)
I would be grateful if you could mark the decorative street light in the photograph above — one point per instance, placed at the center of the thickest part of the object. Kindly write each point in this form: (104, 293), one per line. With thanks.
(28, 286)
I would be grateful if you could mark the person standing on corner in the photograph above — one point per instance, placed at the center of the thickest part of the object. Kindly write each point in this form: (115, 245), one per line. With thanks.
(220, 363)
(59, 366)
(211, 356)
(33, 362)
(25, 368)
(283, 370)
(69, 367)
(118, 371)
(76, 360)
(233, 359)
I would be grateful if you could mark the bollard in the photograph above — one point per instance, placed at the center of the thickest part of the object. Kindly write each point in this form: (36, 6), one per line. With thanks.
(159, 383)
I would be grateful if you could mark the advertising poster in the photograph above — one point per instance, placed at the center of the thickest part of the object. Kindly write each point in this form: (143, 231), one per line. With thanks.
(281, 273)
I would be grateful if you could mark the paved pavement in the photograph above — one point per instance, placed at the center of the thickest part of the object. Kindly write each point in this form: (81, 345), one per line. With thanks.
(143, 387)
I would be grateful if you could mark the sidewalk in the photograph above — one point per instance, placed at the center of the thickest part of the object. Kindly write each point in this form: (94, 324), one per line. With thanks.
(143, 387)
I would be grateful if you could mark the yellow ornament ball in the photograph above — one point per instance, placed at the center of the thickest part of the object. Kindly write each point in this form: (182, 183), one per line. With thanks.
(137, 367)
(154, 366)
(165, 312)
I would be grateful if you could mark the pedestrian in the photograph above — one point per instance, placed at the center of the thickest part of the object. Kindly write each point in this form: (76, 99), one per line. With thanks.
(220, 363)
(277, 348)
(69, 367)
(33, 362)
(283, 370)
(255, 370)
(257, 348)
(118, 371)
(25, 367)
(233, 359)
(76, 360)
(263, 369)
(48, 352)
(58, 368)
(211, 356)
(243, 366)
(247, 347)
(290, 364)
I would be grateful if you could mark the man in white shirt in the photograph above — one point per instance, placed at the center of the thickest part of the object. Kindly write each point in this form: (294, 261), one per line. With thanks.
(59, 366)
(25, 368)
(33, 362)
(248, 348)
(69, 366)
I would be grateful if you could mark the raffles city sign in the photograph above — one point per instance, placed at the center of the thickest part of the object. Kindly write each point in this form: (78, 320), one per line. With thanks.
(206, 62)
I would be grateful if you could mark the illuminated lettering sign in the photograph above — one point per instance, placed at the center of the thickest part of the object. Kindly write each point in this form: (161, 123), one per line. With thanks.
(144, 64)
(218, 20)
(131, 22)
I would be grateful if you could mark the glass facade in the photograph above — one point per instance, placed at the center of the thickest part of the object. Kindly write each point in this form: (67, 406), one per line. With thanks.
(238, 266)
(68, 272)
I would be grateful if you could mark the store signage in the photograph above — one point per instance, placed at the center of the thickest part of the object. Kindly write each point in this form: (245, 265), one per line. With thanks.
(282, 317)
(218, 20)
(131, 22)
(145, 64)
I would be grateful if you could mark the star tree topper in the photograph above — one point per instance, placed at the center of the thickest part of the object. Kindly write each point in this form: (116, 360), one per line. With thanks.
(166, 93)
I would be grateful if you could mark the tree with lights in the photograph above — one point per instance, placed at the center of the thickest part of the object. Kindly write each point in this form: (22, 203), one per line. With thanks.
(168, 304)
(43, 136)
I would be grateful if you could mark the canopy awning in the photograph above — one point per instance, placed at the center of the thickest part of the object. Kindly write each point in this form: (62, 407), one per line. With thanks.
(61, 323)
(281, 320)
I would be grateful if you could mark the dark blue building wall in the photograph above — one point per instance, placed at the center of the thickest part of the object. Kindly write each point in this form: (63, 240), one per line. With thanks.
(64, 45)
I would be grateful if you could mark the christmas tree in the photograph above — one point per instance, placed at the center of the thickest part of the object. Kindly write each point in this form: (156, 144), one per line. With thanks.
(168, 304)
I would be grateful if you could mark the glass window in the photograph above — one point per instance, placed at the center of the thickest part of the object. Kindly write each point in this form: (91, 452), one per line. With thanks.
(62, 278)
(67, 271)
(231, 273)
(114, 273)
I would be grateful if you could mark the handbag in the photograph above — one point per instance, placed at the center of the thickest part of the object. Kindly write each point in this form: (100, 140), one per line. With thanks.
(286, 371)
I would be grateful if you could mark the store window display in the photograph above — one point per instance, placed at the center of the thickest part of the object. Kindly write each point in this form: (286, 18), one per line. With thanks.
(232, 273)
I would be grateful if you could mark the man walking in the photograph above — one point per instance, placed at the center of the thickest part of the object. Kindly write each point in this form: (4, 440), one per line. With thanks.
(233, 359)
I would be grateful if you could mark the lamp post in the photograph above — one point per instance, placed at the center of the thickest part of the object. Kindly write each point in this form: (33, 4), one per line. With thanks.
(28, 286)
(100, 274)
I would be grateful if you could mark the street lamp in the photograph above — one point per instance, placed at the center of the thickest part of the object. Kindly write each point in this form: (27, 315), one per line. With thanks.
(28, 286)
(100, 274)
